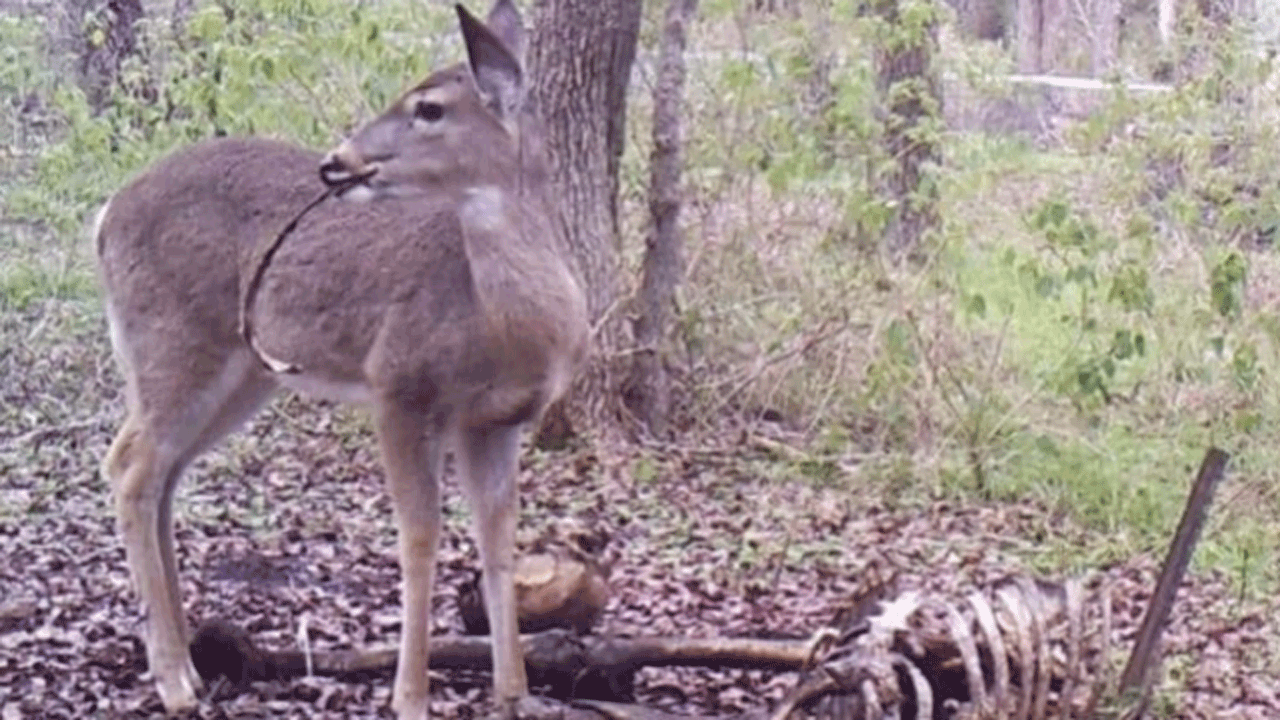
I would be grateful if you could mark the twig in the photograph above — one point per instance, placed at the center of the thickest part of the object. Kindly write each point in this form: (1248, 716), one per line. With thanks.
(820, 336)
(262, 259)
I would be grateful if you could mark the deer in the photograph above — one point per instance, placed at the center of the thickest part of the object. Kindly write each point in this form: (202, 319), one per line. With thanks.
(433, 290)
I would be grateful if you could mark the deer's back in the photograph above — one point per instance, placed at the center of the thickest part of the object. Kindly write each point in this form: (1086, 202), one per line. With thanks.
(173, 243)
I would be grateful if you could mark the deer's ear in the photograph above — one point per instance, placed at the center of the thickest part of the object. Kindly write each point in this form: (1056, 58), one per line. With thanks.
(505, 22)
(495, 68)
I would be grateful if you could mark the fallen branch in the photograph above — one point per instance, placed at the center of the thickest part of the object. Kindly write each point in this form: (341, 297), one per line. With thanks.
(591, 666)
(618, 711)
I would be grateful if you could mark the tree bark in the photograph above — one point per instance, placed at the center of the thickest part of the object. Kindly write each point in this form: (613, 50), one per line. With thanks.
(104, 39)
(648, 392)
(912, 106)
(1029, 35)
(580, 56)
(580, 59)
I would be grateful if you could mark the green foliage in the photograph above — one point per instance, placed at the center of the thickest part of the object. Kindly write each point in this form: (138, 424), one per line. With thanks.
(25, 284)
(1226, 285)
(18, 75)
(807, 111)
(1097, 311)
(304, 70)
(1079, 260)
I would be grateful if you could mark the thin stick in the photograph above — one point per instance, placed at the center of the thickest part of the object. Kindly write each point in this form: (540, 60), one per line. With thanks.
(1138, 671)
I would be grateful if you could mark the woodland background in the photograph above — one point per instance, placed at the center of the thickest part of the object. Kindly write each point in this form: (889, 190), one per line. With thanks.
(964, 290)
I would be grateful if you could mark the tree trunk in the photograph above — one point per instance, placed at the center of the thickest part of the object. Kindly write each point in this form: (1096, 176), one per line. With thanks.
(912, 108)
(1106, 36)
(648, 392)
(580, 60)
(1166, 18)
(104, 39)
(982, 19)
(1030, 36)
(1057, 42)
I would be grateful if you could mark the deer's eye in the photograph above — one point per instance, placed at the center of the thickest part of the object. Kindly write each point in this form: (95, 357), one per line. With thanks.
(428, 111)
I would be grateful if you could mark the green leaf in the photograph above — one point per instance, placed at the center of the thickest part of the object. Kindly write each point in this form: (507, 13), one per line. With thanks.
(976, 305)
(1226, 285)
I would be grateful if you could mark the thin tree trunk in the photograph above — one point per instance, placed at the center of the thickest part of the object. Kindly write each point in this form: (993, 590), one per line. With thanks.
(1030, 36)
(1166, 16)
(648, 390)
(912, 97)
(1106, 36)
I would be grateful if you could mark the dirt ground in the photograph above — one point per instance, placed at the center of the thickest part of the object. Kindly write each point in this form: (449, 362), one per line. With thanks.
(286, 525)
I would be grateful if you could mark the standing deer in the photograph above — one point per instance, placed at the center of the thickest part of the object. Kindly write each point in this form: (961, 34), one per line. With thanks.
(443, 303)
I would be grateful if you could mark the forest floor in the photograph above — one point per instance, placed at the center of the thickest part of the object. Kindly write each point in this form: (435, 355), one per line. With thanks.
(286, 525)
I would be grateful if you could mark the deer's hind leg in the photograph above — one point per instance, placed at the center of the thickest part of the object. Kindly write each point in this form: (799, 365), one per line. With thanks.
(179, 404)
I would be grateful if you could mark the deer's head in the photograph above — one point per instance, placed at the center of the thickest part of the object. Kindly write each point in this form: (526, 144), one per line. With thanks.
(456, 129)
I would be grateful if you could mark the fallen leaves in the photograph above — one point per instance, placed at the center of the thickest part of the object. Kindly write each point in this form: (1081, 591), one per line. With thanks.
(288, 521)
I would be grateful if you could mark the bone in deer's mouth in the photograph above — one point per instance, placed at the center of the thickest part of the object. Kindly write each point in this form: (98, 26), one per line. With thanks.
(356, 187)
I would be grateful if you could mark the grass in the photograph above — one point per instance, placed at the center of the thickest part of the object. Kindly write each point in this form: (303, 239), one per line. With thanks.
(1122, 467)
(964, 379)
(35, 268)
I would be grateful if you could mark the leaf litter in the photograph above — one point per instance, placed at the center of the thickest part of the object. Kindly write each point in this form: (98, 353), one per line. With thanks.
(285, 526)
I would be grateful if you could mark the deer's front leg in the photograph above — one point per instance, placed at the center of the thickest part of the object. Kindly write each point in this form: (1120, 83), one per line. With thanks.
(412, 463)
(487, 465)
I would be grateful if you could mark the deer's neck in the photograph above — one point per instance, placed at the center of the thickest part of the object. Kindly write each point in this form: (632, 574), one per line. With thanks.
(520, 279)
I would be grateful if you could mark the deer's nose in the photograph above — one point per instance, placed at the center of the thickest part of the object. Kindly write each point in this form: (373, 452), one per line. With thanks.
(345, 166)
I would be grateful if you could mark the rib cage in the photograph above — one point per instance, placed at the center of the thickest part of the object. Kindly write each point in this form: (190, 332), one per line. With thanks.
(1018, 649)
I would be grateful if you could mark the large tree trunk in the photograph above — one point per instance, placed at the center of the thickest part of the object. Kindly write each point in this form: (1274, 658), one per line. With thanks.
(648, 391)
(580, 59)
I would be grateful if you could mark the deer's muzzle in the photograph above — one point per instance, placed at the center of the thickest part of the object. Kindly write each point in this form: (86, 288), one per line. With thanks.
(344, 168)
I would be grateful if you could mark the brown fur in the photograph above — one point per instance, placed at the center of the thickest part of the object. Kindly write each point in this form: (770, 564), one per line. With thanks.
(445, 304)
